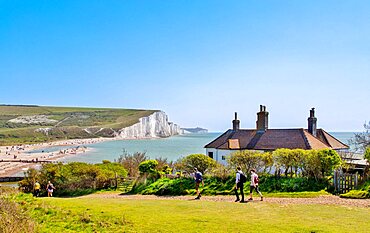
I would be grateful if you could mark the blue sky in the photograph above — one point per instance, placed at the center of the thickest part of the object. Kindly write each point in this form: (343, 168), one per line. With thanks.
(199, 61)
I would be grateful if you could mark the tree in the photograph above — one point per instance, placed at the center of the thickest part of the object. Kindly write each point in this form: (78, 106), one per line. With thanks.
(267, 162)
(284, 158)
(367, 154)
(75, 176)
(110, 171)
(361, 141)
(148, 166)
(202, 162)
(164, 166)
(246, 160)
(131, 162)
(329, 161)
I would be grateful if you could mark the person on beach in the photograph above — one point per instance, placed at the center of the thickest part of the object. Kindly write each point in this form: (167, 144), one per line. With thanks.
(240, 179)
(198, 178)
(254, 185)
(37, 188)
(50, 188)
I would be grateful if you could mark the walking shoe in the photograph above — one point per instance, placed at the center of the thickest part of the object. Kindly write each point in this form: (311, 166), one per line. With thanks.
(242, 201)
(237, 200)
(250, 199)
(261, 198)
(197, 198)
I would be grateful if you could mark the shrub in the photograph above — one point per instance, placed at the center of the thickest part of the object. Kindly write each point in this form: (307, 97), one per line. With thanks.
(148, 166)
(220, 171)
(247, 159)
(200, 161)
(164, 166)
(356, 194)
(131, 162)
(74, 178)
(362, 193)
(286, 184)
(367, 154)
(218, 186)
(329, 161)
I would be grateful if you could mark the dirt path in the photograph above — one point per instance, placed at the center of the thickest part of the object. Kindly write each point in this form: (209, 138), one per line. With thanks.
(323, 200)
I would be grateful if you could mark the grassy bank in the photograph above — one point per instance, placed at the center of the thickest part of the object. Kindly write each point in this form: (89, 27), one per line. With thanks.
(65, 122)
(362, 192)
(216, 186)
(135, 215)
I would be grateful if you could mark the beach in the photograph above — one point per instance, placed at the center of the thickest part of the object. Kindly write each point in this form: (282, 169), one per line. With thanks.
(14, 159)
(94, 150)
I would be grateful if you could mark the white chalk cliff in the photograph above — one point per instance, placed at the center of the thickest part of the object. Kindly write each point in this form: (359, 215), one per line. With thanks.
(153, 126)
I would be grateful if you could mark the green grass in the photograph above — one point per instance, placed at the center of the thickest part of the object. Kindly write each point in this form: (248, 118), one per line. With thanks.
(363, 192)
(297, 194)
(97, 214)
(71, 122)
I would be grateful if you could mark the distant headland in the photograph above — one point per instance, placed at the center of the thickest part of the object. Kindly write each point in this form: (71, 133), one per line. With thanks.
(30, 124)
(193, 130)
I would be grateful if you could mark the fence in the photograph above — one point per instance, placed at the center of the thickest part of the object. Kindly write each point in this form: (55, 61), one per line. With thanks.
(10, 179)
(344, 182)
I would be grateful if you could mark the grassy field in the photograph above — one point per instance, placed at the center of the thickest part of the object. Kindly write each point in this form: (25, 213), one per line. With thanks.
(66, 122)
(97, 214)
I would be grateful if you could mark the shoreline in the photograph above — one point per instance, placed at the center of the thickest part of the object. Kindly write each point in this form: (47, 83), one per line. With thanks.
(22, 152)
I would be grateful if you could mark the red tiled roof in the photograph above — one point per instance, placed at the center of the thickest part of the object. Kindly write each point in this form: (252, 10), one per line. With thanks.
(330, 140)
(272, 139)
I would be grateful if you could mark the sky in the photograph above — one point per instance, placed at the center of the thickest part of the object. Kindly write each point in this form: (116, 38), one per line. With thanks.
(199, 61)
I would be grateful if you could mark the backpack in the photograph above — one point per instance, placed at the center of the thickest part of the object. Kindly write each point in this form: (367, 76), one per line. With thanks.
(256, 180)
(242, 178)
(198, 177)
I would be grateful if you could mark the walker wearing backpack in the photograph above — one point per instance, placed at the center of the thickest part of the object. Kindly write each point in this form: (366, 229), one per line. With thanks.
(198, 178)
(254, 185)
(239, 184)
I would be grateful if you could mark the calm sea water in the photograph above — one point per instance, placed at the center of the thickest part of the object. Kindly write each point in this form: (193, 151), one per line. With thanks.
(171, 148)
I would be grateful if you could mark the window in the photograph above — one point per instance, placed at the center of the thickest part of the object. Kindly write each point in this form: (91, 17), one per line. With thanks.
(223, 157)
(210, 154)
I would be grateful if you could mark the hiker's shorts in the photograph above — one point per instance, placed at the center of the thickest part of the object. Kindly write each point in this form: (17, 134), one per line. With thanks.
(254, 187)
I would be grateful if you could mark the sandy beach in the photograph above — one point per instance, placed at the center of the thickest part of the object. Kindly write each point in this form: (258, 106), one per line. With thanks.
(10, 154)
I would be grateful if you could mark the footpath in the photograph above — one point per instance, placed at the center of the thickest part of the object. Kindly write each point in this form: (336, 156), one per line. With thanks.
(322, 200)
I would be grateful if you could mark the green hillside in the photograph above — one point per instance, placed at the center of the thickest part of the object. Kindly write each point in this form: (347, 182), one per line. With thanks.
(33, 124)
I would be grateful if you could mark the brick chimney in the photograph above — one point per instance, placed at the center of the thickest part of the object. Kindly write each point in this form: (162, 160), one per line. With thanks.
(312, 123)
(262, 119)
(236, 122)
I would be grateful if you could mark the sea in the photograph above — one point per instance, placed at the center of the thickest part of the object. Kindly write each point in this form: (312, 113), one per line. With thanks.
(171, 148)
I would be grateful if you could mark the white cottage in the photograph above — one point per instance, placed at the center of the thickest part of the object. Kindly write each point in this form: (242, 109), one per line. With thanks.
(264, 139)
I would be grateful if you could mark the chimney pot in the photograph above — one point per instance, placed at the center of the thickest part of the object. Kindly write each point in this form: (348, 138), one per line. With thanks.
(236, 122)
(262, 119)
(312, 123)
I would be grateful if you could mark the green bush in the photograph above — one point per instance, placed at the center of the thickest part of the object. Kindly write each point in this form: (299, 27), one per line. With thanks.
(74, 178)
(247, 160)
(287, 184)
(316, 164)
(356, 194)
(362, 193)
(219, 186)
(148, 166)
(367, 154)
(202, 162)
